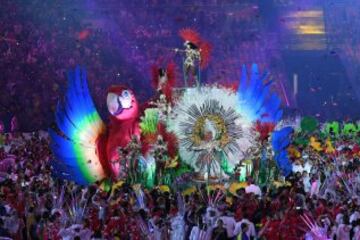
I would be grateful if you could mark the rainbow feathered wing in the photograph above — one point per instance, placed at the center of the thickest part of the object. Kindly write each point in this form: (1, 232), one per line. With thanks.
(258, 104)
(79, 127)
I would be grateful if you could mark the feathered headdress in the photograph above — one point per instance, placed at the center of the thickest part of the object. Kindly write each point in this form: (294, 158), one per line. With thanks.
(205, 47)
(280, 142)
(264, 129)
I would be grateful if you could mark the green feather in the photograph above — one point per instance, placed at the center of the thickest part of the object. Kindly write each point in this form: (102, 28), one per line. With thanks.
(224, 164)
(150, 121)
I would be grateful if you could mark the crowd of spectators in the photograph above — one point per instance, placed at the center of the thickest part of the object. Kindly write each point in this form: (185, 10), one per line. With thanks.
(34, 205)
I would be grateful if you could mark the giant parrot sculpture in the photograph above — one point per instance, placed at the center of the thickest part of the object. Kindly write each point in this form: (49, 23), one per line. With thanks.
(85, 148)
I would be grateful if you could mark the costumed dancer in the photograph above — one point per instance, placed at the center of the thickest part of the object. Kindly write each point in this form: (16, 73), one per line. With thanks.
(262, 166)
(197, 53)
(192, 56)
(208, 161)
(129, 160)
(159, 151)
(163, 81)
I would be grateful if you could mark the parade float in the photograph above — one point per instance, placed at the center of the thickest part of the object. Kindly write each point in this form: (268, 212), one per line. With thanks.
(184, 136)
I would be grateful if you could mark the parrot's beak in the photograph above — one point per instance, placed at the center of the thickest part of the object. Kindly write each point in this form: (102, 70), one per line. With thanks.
(119, 109)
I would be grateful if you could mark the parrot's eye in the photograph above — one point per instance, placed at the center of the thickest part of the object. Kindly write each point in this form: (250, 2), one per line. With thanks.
(125, 94)
(125, 99)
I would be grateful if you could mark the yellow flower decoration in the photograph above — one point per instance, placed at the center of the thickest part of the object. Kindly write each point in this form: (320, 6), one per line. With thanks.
(189, 191)
(214, 187)
(235, 186)
(294, 152)
(278, 184)
(172, 163)
(329, 147)
(164, 188)
(315, 144)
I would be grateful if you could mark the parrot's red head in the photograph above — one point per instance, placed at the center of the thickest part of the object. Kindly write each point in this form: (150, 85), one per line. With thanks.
(121, 103)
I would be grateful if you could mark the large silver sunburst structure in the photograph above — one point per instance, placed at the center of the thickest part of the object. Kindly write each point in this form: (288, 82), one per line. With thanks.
(213, 136)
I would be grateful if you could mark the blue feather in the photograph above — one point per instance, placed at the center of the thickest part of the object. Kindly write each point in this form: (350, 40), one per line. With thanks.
(280, 142)
(243, 80)
(256, 103)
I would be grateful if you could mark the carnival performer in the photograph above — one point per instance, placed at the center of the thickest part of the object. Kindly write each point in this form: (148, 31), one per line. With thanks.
(163, 107)
(162, 79)
(197, 53)
(209, 159)
(192, 58)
